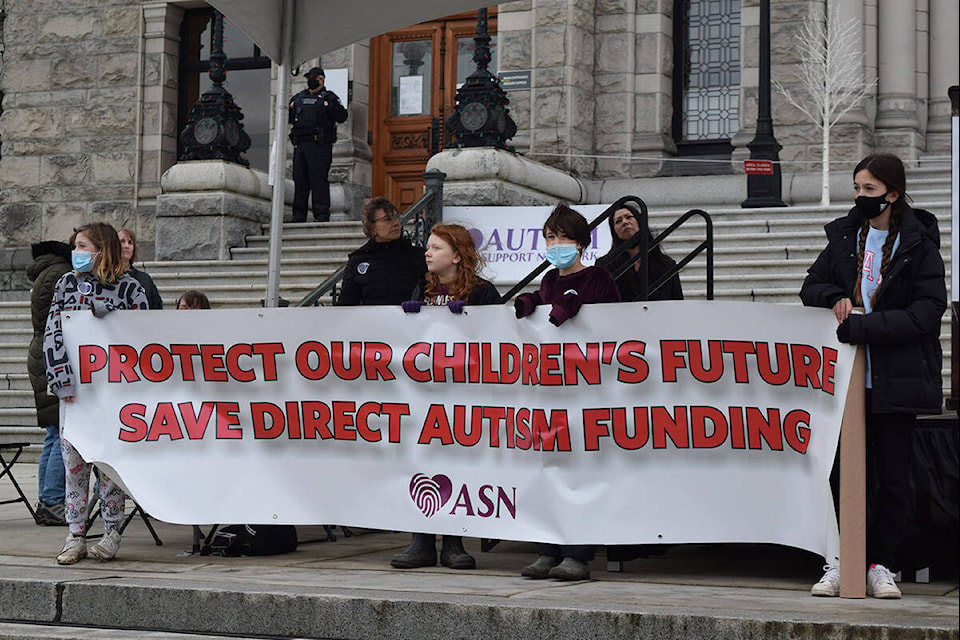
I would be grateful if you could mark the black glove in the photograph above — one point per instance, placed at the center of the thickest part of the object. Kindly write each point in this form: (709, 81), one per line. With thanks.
(844, 331)
(411, 306)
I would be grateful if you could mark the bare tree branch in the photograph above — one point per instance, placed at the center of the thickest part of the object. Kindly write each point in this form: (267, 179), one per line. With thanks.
(829, 78)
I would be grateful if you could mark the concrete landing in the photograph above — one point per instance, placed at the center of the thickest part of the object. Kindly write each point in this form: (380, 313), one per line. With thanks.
(347, 590)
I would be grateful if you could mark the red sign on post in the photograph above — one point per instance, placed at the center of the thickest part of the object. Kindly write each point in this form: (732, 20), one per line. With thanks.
(763, 167)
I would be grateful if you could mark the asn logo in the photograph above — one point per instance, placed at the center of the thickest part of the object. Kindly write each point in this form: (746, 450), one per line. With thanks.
(431, 494)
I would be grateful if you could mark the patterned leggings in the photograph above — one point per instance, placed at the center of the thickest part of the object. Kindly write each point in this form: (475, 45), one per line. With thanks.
(78, 486)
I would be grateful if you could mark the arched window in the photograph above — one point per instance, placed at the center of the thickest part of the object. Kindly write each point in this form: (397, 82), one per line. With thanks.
(248, 79)
(706, 82)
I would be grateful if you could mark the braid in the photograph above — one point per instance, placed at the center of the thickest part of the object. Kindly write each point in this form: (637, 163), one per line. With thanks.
(861, 249)
(888, 247)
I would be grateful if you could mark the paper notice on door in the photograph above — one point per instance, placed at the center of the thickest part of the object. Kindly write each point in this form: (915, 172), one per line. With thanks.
(411, 95)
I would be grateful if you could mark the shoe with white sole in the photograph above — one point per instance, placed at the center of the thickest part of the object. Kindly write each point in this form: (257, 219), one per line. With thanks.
(107, 547)
(880, 583)
(74, 550)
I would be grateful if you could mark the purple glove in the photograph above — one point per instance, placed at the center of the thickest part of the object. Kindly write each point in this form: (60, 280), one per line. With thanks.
(565, 308)
(456, 306)
(411, 306)
(524, 305)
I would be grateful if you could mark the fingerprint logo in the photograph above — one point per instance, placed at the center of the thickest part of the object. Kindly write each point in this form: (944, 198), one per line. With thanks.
(429, 494)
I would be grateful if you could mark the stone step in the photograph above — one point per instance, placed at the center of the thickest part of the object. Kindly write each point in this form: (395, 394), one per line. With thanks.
(16, 398)
(16, 381)
(24, 416)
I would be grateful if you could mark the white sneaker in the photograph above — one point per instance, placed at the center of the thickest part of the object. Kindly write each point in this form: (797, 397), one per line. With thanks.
(74, 550)
(829, 585)
(107, 548)
(880, 583)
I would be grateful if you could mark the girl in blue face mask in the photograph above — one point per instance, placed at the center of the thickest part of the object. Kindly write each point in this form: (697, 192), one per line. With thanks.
(572, 283)
(565, 288)
(99, 282)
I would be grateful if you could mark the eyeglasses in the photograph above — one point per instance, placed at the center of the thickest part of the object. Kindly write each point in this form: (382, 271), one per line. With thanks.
(387, 218)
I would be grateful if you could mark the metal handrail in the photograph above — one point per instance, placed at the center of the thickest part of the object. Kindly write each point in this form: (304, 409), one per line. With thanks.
(423, 214)
(641, 239)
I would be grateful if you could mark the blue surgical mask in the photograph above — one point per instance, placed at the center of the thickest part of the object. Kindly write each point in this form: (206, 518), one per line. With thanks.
(83, 260)
(562, 255)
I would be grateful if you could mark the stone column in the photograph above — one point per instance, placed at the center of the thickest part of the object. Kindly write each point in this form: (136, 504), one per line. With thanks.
(652, 77)
(615, 84)
(944, 72)
(485, 176)
(514, 44)
(208, 206)
(562, 128)
(351, 173)
(897, 126)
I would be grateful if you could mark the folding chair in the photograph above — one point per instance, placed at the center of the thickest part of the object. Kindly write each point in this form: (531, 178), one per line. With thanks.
(17, 448)
(137, 511)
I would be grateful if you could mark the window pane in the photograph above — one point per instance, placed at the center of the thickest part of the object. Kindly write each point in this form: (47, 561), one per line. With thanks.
(712, 82)
(412, 67)
(251, 92)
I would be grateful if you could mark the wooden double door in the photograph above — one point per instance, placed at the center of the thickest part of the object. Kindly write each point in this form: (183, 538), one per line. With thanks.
(414, 77)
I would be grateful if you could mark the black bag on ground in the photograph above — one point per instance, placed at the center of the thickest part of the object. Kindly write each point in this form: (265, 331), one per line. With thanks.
(254, 540)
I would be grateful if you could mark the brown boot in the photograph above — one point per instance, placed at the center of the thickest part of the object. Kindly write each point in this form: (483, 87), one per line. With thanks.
(452, 554)
(422, 552)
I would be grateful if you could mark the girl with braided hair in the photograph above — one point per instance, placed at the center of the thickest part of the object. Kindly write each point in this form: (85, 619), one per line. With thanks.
(884, 256)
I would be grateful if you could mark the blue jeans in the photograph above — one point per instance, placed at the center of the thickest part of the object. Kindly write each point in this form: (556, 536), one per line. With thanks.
(51, 474)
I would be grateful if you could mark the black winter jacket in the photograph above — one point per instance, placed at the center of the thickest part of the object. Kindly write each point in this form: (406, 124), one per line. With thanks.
(51, 260)
(903, 329)
(628, 283)
(383, 273)
(153, 296)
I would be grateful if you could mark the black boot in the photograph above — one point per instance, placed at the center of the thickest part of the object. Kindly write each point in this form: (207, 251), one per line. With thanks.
(453, 556)
(422, 552)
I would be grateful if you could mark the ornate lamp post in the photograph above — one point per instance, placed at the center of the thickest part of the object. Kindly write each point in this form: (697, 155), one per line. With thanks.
(214, 125)
(480, 117)
(764, 190)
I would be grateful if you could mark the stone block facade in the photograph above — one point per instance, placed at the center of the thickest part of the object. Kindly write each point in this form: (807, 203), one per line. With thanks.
(88, 119)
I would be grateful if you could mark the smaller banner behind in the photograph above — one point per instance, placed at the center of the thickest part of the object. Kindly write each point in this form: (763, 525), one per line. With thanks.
(663, 422)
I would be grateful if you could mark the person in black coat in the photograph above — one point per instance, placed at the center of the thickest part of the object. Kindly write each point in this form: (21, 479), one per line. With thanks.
(624, 224)
(131, 253)
(314, 115)
(884, 256)
(451, 281)
(388, 268)
(51, 259)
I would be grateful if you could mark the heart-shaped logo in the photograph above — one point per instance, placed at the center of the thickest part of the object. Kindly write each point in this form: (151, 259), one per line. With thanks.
(429, 494)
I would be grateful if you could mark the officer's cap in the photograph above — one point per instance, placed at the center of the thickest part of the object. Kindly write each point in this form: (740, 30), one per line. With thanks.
(314, 72)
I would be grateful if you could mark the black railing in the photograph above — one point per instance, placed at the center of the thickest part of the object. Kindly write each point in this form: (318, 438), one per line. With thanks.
(641, 240)
(421, 216)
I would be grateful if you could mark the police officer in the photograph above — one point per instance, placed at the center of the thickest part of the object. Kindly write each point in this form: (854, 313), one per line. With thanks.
(314, 114)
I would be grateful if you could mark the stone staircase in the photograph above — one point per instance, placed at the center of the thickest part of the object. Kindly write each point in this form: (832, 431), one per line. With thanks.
(760, 255)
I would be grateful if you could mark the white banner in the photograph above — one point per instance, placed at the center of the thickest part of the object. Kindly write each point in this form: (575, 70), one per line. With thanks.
(510, 239)
(667, 422)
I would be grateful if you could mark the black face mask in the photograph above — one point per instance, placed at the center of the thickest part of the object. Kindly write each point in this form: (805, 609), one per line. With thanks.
(869, 208)
(312, 83)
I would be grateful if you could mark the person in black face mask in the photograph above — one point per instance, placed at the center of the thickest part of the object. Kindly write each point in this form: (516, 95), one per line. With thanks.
(884, 256)
(314, 114)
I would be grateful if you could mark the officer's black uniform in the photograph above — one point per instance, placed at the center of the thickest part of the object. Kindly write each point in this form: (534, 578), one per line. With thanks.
(314, 117)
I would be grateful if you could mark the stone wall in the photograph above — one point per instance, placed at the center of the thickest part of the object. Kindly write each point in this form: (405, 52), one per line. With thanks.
(70, 117)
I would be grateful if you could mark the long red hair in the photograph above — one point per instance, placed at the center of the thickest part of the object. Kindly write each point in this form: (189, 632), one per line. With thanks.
(462, 244)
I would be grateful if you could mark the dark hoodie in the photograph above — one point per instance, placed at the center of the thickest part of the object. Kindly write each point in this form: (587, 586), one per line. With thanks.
(51, 259)
(903, 330)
